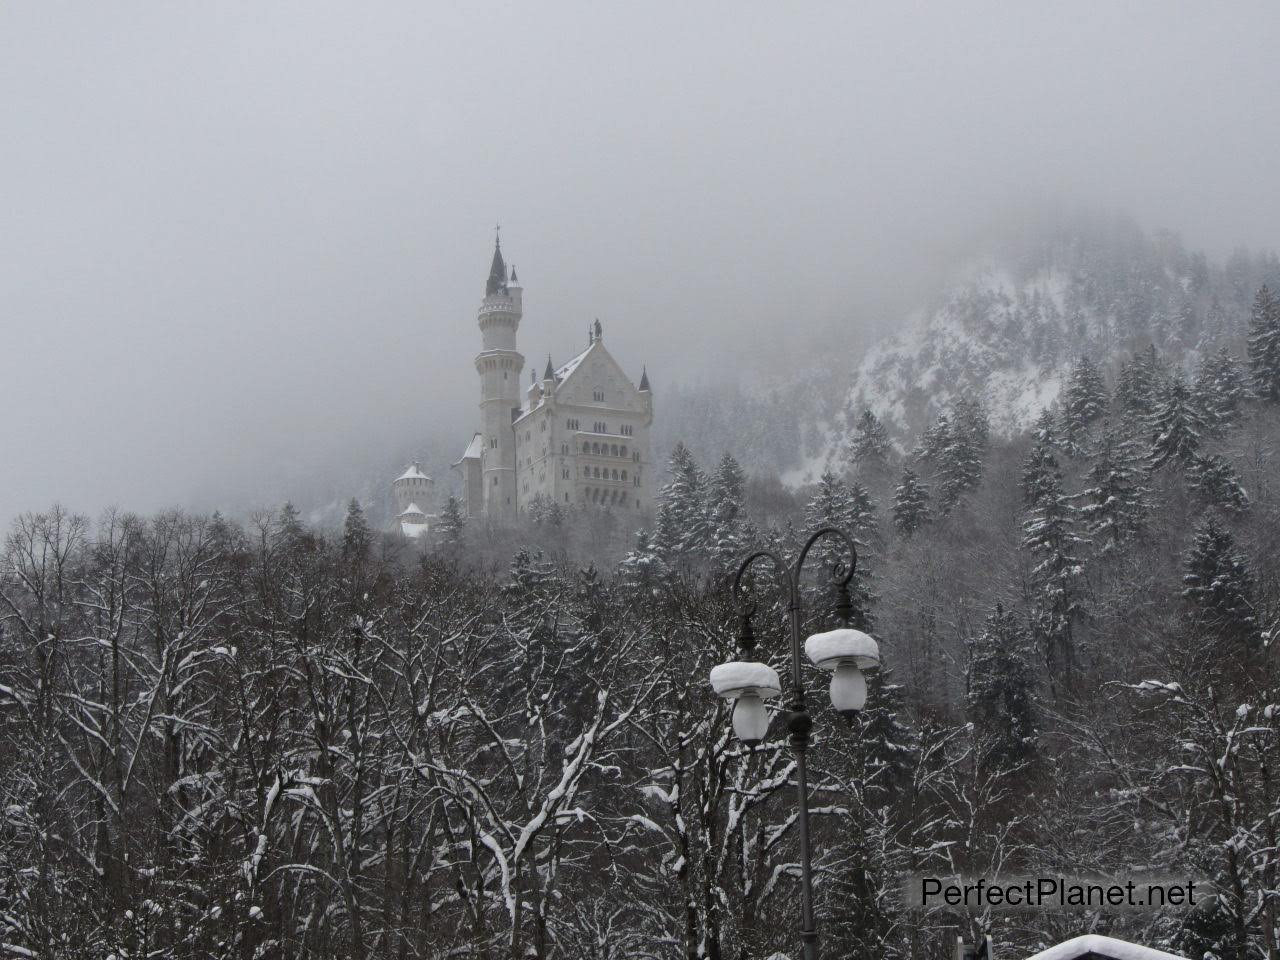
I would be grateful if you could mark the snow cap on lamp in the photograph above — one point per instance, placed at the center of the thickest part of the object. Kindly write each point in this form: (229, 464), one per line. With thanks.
(748, 685)
(846, 653)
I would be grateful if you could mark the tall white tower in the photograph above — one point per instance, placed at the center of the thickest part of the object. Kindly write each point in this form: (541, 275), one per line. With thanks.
(499, 365)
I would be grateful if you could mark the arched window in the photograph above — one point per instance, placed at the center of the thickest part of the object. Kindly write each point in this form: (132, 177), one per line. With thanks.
(624, 450)
(595, 448)
(624, 474)
(586, 447)
(613, 449)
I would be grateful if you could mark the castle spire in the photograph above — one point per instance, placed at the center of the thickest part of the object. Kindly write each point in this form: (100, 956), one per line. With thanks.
(644, 380)
(550, 373)
(497, 282)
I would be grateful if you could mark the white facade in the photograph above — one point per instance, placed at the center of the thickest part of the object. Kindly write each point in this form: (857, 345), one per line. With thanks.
(414, 495)
(579, 436)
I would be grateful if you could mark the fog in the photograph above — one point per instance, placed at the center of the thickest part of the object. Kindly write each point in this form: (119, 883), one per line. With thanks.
(245, 244)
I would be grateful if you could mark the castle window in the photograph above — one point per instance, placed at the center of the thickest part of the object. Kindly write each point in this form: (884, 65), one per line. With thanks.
(624, 474)
(595, 448)
(613, 449)
(597, 396)
(586, 447)
(624, 450)
(615, 474)
(636, 456)
(544, 426)
(564, 449)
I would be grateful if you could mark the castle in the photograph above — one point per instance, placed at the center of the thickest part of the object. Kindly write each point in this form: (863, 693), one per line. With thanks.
(578, 437)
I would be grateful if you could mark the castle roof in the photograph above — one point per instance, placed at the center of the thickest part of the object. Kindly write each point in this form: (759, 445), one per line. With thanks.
(644, 379)
(413, 473)
(474, 449)
(572, 365)
(497, 282)
(550, 372)
(412, 510)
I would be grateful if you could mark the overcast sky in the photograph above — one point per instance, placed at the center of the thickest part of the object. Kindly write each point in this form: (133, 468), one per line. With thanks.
(242, 241)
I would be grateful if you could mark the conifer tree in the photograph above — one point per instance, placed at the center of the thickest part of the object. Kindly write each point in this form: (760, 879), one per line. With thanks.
(955, 446)
(1049, 534)
(1219, 389)
(1216, 483)
(910, 503)
(1000, 691)
(1264, 345)
(451, 523)
(833, 505)
(1040, 470)
(357, 539)
(724, 508)
(1115, 504)
(868, 447)
(1219, 585)
(1083, 402)
(1177, 428)
(1141, 381)
(683, 498)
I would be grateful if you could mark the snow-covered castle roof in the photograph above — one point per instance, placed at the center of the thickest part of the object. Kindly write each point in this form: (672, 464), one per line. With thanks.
(413, 473)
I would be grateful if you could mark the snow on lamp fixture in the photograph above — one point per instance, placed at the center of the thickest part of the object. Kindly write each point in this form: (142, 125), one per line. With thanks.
(748, 685)
(847, 653)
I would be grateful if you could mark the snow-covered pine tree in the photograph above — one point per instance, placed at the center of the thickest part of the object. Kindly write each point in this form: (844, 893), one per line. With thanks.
(1115, 503)
(1049, 534)
(724, 507)
(684, 499)
(1141, 381)
(1218, 584)
(451, 523)
(1217, 484)
(1177, 427)
(1083, 402)
(357, 539)
(956, 446)
(1000, 690)
(868, 446)
(1040, 468)
(833, 505)
(1264, 345)
(1220, 389)
(910, 503)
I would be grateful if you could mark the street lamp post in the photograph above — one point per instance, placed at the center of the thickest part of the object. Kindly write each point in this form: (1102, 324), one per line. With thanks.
(845, 651)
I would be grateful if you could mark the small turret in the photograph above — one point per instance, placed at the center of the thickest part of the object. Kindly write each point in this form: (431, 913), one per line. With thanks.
(644, 380)
(550, 372)
(413, 487)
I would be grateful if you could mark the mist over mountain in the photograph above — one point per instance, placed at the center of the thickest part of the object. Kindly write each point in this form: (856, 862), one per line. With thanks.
(1003, 326)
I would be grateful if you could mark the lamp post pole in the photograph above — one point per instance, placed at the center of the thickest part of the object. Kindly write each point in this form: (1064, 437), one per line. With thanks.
(799, 723)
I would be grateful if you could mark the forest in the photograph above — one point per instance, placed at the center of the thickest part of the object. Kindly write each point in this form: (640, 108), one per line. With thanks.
(259, 739)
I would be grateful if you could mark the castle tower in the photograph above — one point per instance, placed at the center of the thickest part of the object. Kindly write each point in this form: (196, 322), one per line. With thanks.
(499, 365)
(413, 487)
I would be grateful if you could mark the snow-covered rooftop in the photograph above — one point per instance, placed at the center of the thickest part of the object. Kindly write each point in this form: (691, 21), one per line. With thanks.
(572, 365)
(412, 510)
(1104, 947)
(413, 473)
(474, 449)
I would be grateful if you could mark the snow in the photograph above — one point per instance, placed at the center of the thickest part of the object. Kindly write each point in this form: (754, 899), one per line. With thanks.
(413, 473)
(1103, 946)
(474, 449)
(732, 679)
(825, 649)
(572, 365)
